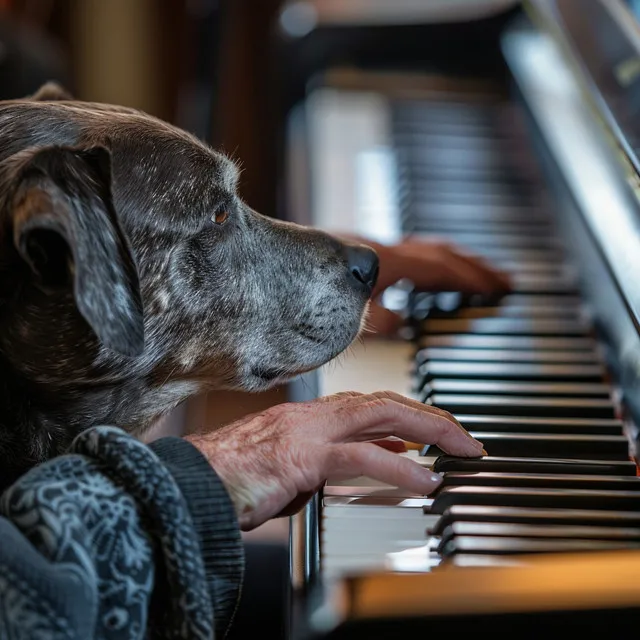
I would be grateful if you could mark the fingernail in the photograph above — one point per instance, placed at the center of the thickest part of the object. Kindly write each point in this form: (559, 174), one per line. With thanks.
(484, 452)
(435, 479)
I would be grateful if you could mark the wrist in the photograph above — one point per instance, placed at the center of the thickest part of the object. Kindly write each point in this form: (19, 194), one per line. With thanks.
(239, 495)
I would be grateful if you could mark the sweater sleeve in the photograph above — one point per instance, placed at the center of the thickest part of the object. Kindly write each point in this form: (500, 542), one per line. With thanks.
(214, 521)
(92, 542)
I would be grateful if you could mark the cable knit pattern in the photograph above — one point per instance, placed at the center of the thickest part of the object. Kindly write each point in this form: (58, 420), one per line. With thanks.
(215, 523)
(91, 540)
(153, 487)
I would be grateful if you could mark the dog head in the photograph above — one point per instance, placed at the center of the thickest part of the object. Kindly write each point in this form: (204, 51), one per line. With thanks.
(132, 275)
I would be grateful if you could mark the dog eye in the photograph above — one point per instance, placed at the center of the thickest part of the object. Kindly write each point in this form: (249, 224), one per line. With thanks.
(220, 217)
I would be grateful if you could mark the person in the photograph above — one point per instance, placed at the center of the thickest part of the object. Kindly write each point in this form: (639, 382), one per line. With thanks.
(118, 539)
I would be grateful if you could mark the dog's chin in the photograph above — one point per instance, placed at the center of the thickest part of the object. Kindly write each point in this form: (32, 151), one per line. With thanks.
(260, 377)
(263, 378)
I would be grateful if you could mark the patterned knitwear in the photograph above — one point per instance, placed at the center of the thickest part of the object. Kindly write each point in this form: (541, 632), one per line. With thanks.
(118, 539)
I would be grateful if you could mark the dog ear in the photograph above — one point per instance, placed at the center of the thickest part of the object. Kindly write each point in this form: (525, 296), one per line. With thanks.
(50, 92)
(65, 228)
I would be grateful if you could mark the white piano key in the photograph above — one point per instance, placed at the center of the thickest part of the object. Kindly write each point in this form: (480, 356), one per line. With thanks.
(415, 560)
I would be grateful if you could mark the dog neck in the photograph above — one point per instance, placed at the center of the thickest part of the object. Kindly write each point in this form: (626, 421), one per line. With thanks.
(38, 422)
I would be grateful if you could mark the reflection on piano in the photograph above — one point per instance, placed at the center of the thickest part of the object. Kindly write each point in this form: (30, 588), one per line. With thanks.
(539, 174)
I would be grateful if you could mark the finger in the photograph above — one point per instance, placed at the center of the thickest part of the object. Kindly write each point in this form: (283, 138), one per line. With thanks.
(467, 275)
(384, 414)
(399, 262)
(404, 400)
(382, 321)
(501, 281)
(441, 267)
(364, 459)
(338, 397)
(391, 444)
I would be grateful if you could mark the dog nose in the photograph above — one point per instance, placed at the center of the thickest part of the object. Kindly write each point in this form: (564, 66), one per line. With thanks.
(363, 266)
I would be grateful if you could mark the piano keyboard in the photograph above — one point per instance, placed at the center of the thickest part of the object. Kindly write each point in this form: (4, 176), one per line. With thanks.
(525, 375)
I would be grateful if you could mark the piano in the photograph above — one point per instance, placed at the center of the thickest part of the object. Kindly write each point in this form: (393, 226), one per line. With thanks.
(535, 165)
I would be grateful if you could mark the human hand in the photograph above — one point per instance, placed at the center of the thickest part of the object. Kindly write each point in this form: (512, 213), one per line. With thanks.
(273, 461)
(431, 266)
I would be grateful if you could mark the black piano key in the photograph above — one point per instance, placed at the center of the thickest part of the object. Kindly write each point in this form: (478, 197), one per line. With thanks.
(504, 387)
(476, 156)
(542, 531)
(459, 136)
(498, 405)
(453, 137)
(539, 300)
(495, 254)
(543, 480)
(456, 163)
(512, 371)
(474, 177)
(524, 266)
(541, 283)
(523, 311)
(470, 130)
(435, 187)
(518, 424)
(526, 285)
(448, 464)
(466, 172)
(476, 341)
(477, 240)
(506, 355)
(530, 445)
(507, 326)
(455, 225)
(468, 215)
(536, 498)
(426, 113)
(442, 193)
(525, 546)
(435, 119)
(558, 269)
(446, 134)
(519, 515)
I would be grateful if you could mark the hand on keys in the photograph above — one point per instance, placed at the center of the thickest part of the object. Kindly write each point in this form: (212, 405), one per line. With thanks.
(272, 462)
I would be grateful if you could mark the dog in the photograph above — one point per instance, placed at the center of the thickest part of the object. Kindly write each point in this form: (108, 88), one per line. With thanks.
(133, 276)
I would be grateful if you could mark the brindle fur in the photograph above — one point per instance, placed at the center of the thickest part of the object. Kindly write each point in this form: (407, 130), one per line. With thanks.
(120, 296)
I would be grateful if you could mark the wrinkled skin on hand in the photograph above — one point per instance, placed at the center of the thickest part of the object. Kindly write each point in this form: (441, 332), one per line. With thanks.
(271, 462)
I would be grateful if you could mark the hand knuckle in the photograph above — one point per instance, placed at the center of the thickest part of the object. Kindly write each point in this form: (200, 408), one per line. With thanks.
(279, 409)
(288, 416)
(378, 403)
(390, 395)
(348, 394)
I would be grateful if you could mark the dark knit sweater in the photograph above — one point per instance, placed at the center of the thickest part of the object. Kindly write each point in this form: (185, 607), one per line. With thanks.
(118, 539)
